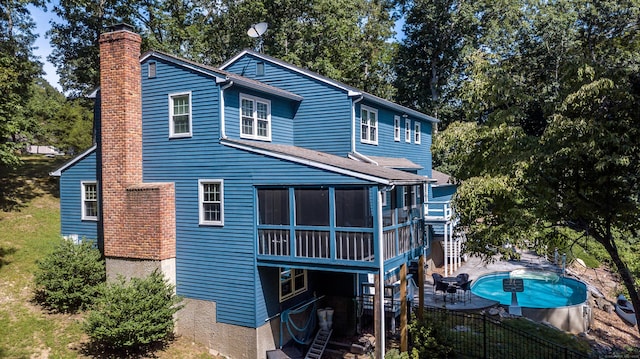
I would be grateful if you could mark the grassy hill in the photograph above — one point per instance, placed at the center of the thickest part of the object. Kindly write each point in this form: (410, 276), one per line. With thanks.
(29, 229)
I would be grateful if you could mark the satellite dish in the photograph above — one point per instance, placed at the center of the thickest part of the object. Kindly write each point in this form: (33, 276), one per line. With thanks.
(257, 30)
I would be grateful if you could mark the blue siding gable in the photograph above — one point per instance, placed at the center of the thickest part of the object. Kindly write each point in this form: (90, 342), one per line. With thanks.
(71, 180)
(323, 120)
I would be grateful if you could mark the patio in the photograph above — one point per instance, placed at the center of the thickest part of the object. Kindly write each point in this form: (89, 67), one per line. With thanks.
(476, 268)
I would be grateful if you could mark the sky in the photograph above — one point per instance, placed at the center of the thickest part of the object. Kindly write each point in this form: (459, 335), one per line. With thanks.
(43, 49)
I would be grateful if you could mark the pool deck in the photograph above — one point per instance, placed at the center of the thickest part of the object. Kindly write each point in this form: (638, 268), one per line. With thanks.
(476, 268)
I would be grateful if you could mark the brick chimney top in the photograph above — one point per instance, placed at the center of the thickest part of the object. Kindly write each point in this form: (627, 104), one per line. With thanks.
(121, 27)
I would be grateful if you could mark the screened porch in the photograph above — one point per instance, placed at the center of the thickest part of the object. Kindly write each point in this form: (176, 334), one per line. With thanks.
(337, 224)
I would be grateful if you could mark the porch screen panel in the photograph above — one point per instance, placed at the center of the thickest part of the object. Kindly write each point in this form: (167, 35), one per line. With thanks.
(312, 207)
(353, 208)
(273, 205)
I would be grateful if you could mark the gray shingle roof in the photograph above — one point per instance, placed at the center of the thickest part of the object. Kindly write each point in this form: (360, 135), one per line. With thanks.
(344, 165)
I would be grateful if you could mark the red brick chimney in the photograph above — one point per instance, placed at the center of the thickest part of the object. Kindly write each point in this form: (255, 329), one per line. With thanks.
(138, 219)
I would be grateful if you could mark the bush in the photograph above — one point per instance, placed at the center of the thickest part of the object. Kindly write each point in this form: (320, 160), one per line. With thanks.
(133, 316)
(67, 280)
(429, 340)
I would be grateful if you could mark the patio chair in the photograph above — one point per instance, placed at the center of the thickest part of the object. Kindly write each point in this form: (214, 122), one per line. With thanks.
(437, 277)
(441, 287)
(453, 290)
(462, 277)
(466, 290)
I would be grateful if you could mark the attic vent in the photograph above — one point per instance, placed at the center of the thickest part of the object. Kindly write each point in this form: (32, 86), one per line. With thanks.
(152, 69)
(260, 69)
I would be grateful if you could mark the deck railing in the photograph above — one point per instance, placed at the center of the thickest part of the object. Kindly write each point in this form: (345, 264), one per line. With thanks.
(350, 245)
(355, 246)
(312, 244)
(273, 242)
(440, 209)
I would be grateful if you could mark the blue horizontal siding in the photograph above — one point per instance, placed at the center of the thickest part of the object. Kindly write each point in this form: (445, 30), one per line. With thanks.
(323, 119)
(388, 147)
(71, 201)
(217, 263)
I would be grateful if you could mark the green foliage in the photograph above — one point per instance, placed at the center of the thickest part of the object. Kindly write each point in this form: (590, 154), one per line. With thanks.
(317, 35)
(429, 62)
(131, 316)
(429, 339)
(68, 279)
(18, 69)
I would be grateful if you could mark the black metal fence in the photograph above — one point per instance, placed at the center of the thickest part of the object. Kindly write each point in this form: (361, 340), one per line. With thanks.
(474, 335)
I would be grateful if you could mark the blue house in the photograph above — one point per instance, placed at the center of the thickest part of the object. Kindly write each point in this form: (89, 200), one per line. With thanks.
(262, 190)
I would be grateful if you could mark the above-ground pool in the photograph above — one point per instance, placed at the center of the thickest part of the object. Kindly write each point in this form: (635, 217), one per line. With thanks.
(547, 297)
(542, 289)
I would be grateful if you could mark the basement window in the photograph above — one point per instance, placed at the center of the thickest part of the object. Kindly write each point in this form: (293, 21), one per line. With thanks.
(292, 282)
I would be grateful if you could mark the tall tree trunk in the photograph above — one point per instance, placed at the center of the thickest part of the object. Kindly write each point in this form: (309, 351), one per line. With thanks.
(627, 278)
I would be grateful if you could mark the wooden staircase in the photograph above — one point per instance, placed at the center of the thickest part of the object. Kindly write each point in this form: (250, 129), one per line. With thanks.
(319, 344)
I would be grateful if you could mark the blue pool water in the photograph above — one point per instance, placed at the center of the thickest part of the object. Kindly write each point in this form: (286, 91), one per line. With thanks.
(541, 289)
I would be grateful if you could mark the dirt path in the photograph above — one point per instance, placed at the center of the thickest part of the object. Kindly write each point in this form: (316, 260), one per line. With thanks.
(609, 333)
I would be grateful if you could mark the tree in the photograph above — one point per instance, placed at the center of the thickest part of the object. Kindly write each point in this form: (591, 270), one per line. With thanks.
(18, 69)
(553, 154)
(429, 64)
(317, 35)
(132, 316)
(68, 279)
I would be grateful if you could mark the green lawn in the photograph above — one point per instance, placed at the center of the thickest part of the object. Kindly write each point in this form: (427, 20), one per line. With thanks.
(29, 229)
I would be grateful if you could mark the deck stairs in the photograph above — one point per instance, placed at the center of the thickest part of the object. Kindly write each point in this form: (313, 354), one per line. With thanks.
(319, 344)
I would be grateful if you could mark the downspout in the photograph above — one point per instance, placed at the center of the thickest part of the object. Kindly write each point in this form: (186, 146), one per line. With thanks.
(223, 132)
(381, 341)
(353, 118)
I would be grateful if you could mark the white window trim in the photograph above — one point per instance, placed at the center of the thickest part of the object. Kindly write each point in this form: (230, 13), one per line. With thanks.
(368, 140)
(295, 291)
(83, 200)
(417, 133)
(407, 130)
(201, 219)
(254, 135)
(171, 124)
(396, 128)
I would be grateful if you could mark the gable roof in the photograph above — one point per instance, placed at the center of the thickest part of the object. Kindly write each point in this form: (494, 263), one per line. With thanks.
(351, 91)
(71, 162)
(222, 76)
(329, 162)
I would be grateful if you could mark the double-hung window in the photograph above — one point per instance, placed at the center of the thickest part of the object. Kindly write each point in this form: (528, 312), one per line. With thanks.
(396, 128)
(292, 282)
(211, 198)
(89, 200)
(369, 125)
(180, 114)
(255, 119)
(416, 133)
(407, 130)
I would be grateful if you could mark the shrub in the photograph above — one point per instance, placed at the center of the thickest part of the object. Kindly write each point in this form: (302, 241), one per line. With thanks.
(67, 280)
(429, 340)
(133, 316)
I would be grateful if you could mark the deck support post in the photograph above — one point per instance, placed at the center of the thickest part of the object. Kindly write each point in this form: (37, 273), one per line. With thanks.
(378, 318)
(446, 249)
(421, 287)
(404, 332)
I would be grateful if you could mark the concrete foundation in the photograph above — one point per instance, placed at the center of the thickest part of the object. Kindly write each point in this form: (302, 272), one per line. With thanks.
(140, 268)
(197, 322)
